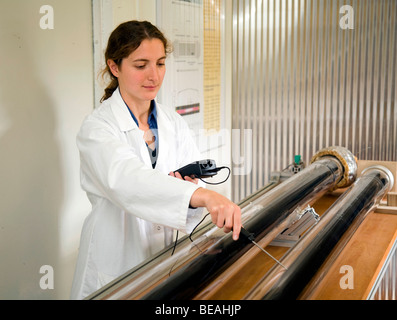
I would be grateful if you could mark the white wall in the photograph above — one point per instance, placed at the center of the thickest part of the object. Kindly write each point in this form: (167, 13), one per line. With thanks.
(46, 89)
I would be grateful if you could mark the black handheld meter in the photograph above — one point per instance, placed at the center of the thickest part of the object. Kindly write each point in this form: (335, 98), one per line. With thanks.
(199, 169)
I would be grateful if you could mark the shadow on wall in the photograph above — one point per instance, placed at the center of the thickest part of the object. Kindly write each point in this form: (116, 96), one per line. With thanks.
(31, 185)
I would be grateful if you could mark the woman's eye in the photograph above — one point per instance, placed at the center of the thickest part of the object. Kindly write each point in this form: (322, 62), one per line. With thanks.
(140, 66)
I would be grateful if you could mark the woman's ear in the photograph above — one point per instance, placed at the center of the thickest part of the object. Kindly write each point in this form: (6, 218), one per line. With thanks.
(114, 68)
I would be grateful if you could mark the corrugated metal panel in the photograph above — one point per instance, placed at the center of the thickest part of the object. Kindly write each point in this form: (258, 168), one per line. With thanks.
(301, 82)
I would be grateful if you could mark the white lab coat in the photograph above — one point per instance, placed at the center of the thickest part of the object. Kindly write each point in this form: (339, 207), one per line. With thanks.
(131, 202)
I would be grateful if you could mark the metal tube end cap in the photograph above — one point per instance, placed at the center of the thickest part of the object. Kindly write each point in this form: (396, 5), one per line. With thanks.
(346, 159)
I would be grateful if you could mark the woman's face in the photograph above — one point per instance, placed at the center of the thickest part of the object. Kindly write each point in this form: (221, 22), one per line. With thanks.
(141, 74)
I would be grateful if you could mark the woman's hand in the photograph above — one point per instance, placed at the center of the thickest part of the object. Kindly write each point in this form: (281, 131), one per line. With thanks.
(187, 178)
(224, 213)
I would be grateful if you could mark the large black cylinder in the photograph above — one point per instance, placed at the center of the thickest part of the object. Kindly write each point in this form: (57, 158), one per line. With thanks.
(359, 198)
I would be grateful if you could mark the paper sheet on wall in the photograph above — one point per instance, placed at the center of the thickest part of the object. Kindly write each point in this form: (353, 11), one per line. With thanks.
(193, 79)
(182, 23)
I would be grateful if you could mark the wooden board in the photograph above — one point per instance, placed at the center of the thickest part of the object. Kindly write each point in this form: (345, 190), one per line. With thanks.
(365, 254)
(392, 199)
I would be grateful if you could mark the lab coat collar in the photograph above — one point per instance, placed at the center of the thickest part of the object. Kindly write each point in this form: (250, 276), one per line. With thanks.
(121, 113)
(126, 123)
(152, 119)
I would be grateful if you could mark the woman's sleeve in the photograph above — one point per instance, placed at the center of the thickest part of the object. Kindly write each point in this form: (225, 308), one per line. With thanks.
(111, 169)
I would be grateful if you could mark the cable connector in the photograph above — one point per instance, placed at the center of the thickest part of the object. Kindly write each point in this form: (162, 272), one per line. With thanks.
(248, 235)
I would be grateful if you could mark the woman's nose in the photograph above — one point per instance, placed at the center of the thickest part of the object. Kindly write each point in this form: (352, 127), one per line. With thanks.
(153, 74)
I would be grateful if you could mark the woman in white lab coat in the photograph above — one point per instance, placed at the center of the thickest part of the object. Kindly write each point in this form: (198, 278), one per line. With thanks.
(129, 148)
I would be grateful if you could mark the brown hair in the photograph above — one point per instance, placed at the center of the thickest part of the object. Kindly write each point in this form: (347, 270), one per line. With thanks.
(125, 39)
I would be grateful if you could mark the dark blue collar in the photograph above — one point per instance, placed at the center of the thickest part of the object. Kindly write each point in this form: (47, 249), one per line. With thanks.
(152, 119)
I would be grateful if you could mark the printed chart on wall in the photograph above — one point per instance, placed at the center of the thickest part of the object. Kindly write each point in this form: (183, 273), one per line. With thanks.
(193, 79)
(212, 64)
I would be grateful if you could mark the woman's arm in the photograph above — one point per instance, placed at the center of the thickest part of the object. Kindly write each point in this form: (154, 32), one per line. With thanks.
(224, 213)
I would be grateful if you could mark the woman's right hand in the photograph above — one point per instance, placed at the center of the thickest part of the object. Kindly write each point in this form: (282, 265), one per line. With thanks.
(177, 175)
(224, 213)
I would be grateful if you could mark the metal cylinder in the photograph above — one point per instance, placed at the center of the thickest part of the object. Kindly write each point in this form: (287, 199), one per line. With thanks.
(305, 258)
(323, 174)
